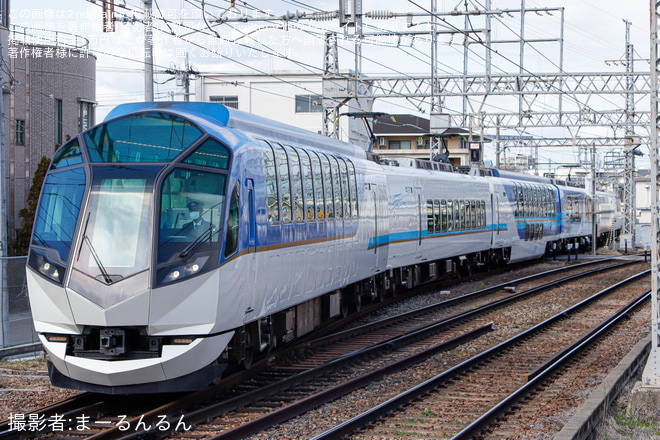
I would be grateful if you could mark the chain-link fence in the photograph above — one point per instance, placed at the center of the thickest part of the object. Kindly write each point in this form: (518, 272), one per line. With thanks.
(16, 317)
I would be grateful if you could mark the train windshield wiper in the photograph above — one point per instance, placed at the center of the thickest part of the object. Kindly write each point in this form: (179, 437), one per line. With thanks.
(104, 272)
(192, 246)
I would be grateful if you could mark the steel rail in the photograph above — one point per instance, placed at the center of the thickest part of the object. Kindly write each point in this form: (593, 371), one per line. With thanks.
(406, 397)
(550, 367)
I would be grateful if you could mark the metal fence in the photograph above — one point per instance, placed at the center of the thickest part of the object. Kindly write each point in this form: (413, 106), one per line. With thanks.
(17, 325)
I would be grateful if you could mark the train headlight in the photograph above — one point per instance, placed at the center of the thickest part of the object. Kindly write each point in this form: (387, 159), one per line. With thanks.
(180, 272)
(51, 270)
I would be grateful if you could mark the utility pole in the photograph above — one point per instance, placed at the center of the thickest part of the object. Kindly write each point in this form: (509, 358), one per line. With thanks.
(629, 153)
(4, 328)
(594, 230)
(651, 375)
(148, 52)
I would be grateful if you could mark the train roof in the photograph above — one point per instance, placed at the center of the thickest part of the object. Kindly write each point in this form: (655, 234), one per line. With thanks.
(519, 176)
(212, 117)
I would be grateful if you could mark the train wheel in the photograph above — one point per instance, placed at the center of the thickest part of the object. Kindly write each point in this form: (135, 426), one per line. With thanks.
(345, 310)
(358, 303)
(248, 352)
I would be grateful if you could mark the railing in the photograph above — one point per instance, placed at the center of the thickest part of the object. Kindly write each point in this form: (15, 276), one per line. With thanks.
(16, 317)
(20, 35)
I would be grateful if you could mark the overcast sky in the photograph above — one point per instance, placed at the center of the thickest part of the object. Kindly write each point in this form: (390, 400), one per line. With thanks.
(594, 33)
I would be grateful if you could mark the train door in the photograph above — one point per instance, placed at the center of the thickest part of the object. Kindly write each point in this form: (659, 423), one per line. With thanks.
(421, 220)
(373, 231)
(496, 203)
(251, 247)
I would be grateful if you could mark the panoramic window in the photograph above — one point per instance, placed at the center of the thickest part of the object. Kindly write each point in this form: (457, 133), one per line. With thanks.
(120, 206)
(296, 181)
(354, 200)
(327, 183)
(271, 184)
(192, 204)
(285, 184)
(309, 188)
(59, 207)
(68, 155)
(146, 137)
(210, 154)
(318, 186)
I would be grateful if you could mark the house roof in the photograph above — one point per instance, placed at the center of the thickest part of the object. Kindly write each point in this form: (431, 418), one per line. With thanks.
(401, 125)
(410, 125)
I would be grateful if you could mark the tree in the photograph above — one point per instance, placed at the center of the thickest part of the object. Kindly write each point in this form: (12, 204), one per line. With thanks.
(27, 214)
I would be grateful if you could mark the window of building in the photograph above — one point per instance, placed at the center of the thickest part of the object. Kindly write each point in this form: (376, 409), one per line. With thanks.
(229, 101)
(85, 115)
(4, 13)
(399, 145)
(308, 104)
(58, 121)
(19, 132)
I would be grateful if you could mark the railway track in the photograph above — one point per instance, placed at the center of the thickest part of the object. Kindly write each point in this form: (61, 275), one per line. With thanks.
(332, 355)
(462, 402)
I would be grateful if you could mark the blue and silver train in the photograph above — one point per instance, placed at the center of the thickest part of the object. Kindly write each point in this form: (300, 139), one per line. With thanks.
(175, 240)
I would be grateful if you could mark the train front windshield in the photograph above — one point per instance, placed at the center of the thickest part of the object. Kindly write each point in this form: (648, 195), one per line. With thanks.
(140, 191)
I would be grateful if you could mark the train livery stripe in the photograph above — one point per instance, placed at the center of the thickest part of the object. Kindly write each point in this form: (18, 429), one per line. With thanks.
(272, 247)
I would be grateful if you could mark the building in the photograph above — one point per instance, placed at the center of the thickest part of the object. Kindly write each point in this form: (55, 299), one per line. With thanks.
(49, 93)
(409, 136)
(292, 98)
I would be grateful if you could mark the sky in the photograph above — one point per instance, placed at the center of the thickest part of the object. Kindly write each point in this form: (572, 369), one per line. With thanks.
(594, 35)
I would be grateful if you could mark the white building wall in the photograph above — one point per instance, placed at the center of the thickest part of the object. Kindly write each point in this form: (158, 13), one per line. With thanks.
(274, 97)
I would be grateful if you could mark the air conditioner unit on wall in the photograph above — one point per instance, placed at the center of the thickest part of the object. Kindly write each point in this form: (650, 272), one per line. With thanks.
(382, 142)
(420, 141)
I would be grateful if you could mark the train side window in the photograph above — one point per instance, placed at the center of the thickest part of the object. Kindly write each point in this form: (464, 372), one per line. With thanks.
(457, 217)
(336, 184)
(448, 217)
(354, 198)
(327, 183)
(344, 187)
(473, 204)
(461, 215)
(528, 202)
(430, 225)
(437, 218)
(483, 215)
(468, 216)
(309, 188)
(443, 215)
(318, 186)
(296, 184)
(521, 201)
(285, 184)
(231, 242)
(516, 203)
(271, 184)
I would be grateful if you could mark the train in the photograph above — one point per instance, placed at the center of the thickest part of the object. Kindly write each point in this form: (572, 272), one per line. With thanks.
(177, 241)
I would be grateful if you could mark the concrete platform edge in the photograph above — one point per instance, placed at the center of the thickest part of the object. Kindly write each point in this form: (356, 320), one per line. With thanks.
(587, 417)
